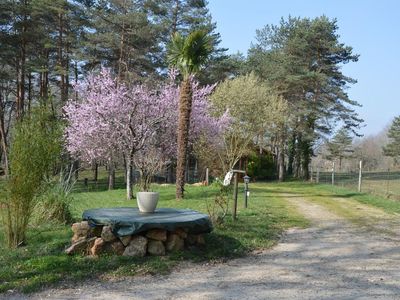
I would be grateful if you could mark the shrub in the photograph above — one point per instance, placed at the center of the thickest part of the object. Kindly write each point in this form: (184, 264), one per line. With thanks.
(53, 205)
(261, 166)
(35, 147)
(218, 207)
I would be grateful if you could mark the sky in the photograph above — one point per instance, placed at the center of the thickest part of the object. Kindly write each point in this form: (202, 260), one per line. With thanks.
(371, 27)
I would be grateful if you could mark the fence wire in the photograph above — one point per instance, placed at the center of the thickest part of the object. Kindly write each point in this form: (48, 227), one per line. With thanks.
(86, 183)
(384, 183)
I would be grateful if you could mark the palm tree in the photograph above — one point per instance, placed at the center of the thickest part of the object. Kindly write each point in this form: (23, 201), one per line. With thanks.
(187, 54)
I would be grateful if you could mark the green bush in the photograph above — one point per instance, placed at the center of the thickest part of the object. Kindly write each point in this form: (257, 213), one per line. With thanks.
(261, 166)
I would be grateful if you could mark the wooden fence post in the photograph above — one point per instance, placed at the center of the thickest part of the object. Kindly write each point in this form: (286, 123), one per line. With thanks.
(360, 177)
(317, 179)
(333, 173)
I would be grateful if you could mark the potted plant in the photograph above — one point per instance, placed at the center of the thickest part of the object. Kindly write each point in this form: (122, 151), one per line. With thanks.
(148, 162)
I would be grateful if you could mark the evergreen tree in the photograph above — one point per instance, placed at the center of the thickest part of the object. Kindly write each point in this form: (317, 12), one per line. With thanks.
(185, 16)
(393, 147)
(302, 59)
(123, 38)
(341, 146)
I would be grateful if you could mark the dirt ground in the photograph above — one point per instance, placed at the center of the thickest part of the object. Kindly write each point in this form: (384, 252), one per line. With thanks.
(333, 259)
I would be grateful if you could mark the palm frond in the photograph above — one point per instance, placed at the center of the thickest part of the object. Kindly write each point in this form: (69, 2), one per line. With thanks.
(189, 53)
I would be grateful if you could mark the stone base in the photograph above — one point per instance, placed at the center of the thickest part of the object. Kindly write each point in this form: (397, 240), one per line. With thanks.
(100, 239)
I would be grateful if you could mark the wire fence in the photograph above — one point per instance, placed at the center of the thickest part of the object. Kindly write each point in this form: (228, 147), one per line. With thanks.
(86, 183)
(384, 183)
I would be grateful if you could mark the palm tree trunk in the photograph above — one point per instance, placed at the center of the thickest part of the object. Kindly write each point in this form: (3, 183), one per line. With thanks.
(185, 107)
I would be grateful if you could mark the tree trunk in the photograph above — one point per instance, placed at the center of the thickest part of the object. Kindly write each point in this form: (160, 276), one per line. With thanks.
(174, 25)
(63, 60)
(76, 169)
(291, 154)
(111, 176)
(297, 161)
(44, 79)
(185, 106)
(3, 138)
(95, 171)
(281, 163)
(21, 64)
(306, 158)
(21, 82)
(170, 178)
(129, 193)
(76, 78)
(121, 48)
(29, 92)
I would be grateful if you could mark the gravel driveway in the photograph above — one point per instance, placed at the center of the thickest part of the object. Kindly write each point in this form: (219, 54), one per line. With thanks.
(333, 259)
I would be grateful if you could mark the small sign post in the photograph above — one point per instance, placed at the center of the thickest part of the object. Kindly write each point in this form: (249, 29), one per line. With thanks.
(235, 195)
(246, 180)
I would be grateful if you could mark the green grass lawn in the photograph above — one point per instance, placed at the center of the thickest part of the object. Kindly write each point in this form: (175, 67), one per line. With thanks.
(42, 262)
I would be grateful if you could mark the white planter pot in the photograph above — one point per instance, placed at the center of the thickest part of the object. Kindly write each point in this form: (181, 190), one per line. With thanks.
(147, 201)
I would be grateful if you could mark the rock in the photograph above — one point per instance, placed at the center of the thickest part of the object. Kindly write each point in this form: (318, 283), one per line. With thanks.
(81, 231)
(84, 225)
(125, 240)
(181, 232)
(136, 247)
(96, 231)
(81, 227)
(157, 234)
(117, 247)
(82, 246)
(107, 235)
(191, 239)
(174, 242)
(155, 248)
(200, 240)
(195, 239)
(75, 238)
(75, 227)
(97, 247)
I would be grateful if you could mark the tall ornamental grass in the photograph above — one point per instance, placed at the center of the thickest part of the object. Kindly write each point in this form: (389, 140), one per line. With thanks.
(36, 146)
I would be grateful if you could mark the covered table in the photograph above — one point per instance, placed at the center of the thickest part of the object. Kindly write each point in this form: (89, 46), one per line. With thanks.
(128, 220)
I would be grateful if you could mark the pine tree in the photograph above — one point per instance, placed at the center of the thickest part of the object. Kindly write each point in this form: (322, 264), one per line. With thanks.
(393, 147)
(341, 146)
(302, 59)
(124, 39)
(185, 16)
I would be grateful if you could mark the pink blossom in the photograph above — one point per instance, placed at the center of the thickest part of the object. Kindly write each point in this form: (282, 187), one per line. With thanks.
(111, 120)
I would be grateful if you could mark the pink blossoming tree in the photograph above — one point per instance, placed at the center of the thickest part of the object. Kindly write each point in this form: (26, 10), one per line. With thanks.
(112, 121)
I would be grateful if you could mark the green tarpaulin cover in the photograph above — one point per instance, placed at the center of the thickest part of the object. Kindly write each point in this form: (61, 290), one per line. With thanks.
(128, 220)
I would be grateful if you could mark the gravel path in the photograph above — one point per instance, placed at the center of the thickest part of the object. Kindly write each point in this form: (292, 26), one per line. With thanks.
(331, 260)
